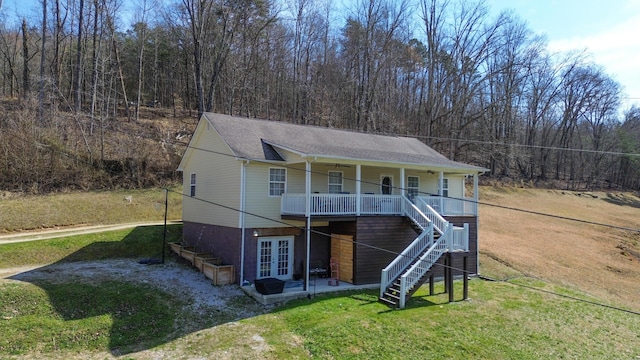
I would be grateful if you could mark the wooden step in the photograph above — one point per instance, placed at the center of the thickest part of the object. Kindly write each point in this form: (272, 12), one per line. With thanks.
(388, 302)
(392, 296)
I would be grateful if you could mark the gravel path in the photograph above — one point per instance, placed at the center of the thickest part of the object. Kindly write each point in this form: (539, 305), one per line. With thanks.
(69, 231)
(171, 277)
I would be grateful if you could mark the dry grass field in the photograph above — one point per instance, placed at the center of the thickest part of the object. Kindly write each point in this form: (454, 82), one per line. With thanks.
(598, 260)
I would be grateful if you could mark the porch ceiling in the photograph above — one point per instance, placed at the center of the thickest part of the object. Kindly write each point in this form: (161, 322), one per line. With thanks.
(426, 168)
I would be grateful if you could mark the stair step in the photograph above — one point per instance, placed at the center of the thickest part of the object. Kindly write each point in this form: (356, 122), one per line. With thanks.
(392, 296)
(389, 302)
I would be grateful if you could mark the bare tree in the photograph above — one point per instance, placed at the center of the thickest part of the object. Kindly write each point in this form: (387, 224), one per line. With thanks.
(77, 91)
(41, 82)
(26, 81)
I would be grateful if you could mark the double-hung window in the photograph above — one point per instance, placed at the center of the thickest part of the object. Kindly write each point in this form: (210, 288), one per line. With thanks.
(277, 181)
(445, 187)
(192, 188)
(413, 186)
(335, 182)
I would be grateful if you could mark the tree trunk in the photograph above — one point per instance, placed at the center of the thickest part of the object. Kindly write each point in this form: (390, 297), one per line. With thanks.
(26, 86)
(78, 73)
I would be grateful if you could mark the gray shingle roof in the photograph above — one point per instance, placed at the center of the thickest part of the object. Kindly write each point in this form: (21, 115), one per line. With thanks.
(247, 137)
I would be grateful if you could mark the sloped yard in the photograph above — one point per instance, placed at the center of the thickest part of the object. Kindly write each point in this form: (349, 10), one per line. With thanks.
(600, 260)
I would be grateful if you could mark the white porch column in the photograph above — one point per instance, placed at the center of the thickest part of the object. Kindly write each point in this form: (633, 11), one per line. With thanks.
(441, 191)
(403, 188)
(307, 211)
(358, 188)
(476, 196)
(243, 195)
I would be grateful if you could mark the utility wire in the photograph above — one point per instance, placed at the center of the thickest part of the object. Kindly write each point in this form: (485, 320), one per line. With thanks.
(430, 194)
(464, 272)
(77, 158)
(377, 248)
(560, 295)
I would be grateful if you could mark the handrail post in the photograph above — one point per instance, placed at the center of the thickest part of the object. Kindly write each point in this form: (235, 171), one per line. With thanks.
(403, 292)
(466, 236)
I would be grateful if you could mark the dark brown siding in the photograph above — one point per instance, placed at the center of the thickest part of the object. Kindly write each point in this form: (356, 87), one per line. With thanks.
(473, 245)
(379, 240)
(225, 242)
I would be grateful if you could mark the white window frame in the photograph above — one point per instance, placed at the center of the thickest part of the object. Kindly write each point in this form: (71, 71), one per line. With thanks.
(275, 258)
(445, 187)
(284, 183)
(192, 185)
(413, 191)
(330, 184)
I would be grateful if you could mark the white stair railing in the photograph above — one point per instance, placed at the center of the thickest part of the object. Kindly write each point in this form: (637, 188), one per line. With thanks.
(416, 215)
(424, 251)
(411, 252)
(408, 256)
(411, 277)
(439, 222)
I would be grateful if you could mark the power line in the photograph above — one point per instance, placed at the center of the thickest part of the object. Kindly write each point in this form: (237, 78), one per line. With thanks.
(464, 272)
(361, 181)
(430, 194)
(483, 142)
(560, 295)
(377, 248)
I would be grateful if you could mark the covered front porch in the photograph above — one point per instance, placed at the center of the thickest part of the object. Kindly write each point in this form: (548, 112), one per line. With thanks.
(355, 189)
(371, 204)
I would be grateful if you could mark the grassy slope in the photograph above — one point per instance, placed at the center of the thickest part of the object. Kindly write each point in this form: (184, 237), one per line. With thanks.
(501, 320)
(87, 208)
(601, 261)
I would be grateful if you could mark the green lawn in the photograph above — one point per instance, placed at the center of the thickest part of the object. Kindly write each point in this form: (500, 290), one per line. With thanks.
(501, 321)
(104, 318)
(87, 208)
(139, 242)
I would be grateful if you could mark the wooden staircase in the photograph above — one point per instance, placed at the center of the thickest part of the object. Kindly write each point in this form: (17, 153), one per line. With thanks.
(391, 296)
(413, 267)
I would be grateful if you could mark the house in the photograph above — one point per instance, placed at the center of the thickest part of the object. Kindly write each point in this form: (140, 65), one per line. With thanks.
(279, 200)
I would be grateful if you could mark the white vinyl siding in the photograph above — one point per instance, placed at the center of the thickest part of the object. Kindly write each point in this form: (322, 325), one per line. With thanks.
(335, 182)
(277, 181)
(218, 181)
(260, 203)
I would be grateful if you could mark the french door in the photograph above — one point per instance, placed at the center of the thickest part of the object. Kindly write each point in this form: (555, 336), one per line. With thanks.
(275, 257)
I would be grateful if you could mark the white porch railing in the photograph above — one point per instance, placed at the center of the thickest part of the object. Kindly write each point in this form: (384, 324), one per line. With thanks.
(450, 206)
(342, 204)
(372, 204)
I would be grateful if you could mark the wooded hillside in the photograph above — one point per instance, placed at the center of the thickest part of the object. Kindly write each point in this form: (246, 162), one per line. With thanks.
(92, 103)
